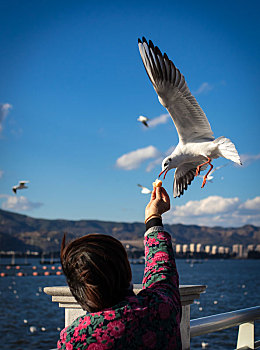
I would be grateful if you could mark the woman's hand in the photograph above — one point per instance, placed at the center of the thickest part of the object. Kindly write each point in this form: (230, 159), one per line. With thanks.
(159, 203)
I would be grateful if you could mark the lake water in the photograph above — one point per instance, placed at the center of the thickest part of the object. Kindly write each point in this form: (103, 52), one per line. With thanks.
(29, 320)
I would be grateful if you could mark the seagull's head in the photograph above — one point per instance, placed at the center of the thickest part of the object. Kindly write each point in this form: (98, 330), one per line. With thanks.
(167, 164)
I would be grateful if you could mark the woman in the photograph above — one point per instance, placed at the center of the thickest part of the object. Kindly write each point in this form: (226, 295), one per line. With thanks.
(99, 276)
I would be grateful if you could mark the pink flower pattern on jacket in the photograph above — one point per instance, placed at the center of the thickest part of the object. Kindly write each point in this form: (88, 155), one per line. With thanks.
(148, 320)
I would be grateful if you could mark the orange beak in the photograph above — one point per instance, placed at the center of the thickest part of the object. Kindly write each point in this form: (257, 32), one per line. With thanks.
(166, 171)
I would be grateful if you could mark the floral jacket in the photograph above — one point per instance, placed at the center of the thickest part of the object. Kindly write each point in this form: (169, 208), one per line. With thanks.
(148, 320)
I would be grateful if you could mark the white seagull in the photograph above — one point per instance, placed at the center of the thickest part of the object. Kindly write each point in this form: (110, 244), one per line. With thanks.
(20, 186)
(144, 190)
(143, 120)
(197, 145)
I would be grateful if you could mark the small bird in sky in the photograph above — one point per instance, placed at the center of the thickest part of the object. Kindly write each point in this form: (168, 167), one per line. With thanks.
(197, 145)
(20, 186)
(143, 120)
(210, 177)
(144, 190)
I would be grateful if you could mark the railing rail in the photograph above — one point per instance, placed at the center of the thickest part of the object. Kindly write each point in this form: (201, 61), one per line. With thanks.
(214, 323)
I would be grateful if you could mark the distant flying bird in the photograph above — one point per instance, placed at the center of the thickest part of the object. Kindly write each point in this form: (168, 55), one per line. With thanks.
(144, 190)
(21, 186)
(210, 177)
(143, 120)
(197, 145)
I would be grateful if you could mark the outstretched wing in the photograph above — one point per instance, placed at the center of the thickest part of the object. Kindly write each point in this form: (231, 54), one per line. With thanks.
(22, 183)
(183, 177)
(173, 93)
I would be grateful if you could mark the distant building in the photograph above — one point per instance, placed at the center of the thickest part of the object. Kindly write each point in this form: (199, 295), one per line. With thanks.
(250, 247)
(227, 250)
(221, 250)
(207, 249)
(178, 248)
(238, 250)
(199, 247)
(185, 248)
(257, 248)
(192, 247)
(214, 250)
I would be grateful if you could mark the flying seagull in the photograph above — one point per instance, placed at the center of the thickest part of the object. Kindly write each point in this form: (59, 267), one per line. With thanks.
(144, 190)
(197, 145)
(20, 186)
(143, 120)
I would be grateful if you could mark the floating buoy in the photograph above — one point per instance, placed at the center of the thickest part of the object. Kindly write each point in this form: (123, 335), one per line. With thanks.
(200, 309)
(53, 267)
(43, 329)
(25, 321)
(17, 267)
(19, 274)
(2, 274)
(46, 273)
(58, 273)
(35, 273)
(215, 302)
(44, 267)
(8, 267)
(59, 267)
(34, 267)
(32, 329)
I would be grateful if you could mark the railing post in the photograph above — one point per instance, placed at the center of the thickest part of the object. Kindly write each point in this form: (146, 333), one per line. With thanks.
(185, 327)
(188, 294)
(246, 335)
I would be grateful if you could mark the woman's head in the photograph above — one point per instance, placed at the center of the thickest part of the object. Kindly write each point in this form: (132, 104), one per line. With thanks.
(97, 270)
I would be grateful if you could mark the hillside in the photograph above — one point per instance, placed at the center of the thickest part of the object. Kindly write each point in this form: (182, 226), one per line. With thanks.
(20, 232)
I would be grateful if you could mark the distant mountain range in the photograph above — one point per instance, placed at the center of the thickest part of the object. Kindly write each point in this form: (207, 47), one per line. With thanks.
(20, 232)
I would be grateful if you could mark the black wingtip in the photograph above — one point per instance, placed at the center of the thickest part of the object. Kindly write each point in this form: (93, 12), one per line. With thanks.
(139, 41)
(144, 40)
(157, 51)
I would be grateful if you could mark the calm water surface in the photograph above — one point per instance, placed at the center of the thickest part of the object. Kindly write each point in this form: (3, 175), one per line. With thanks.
(29, 320)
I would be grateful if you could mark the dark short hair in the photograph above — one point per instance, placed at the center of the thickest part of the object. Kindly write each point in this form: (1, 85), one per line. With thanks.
(97, 270)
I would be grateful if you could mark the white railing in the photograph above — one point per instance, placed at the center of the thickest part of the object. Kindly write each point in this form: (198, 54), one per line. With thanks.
(243, 318)
(189, 328)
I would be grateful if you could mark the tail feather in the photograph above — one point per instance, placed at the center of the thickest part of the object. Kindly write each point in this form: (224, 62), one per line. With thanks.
(227, 149)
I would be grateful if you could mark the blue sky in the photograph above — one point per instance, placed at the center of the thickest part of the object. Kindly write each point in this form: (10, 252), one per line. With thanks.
(73, 85)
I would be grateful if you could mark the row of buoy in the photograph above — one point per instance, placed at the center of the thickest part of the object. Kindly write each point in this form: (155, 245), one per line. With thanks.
(17, 267)
(35, 273)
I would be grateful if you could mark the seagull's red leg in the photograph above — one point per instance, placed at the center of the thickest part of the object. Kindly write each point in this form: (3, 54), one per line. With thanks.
(199, 166)
(205, 177)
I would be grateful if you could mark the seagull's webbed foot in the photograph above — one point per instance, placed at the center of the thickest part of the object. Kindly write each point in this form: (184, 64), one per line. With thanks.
(205, 177)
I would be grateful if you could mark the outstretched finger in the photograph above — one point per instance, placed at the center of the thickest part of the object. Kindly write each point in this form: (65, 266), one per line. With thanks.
(158, 193)
(153, 194)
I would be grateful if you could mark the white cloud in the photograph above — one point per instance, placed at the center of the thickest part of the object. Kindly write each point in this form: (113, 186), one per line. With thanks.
(20, 203)
(161, 119)
(252, 204)
(216, 210)
(4, 110)
(207, 206)
(203, 88)
(134, 159)
(247, 159)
